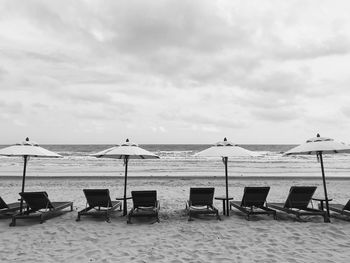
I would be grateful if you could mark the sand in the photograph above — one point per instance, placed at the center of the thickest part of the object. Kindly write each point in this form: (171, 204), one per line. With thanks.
(174, 239)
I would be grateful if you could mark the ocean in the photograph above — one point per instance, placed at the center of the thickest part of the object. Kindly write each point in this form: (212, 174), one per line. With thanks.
(176, 160)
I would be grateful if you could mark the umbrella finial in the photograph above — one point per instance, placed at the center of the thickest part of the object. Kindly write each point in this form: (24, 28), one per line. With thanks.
(27, 139)
(225, 139)
(127, 140)
(318, 135)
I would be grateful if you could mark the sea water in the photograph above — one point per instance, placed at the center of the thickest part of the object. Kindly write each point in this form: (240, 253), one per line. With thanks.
(176, 160)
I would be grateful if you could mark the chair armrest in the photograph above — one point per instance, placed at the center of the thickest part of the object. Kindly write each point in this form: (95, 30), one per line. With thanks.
(188, 204)
(212, 207)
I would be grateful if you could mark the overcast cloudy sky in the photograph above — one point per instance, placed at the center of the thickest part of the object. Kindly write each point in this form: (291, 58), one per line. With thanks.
(170, 71)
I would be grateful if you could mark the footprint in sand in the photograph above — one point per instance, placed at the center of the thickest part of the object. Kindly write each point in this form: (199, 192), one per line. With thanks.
(63, 229)
(92, 239)
(47, 232)
(93, 255)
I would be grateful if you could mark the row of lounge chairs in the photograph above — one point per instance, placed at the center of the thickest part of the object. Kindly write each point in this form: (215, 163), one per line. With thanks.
(254, 202)
(145, 203)
(98, 202)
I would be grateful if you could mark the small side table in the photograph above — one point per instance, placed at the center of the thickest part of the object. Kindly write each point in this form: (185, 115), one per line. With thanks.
(224, 204)
(321, 200)
(125, 205)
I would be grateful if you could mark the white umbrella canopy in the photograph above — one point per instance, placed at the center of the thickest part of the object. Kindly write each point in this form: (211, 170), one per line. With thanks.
(27, 149)
(318, 146)
(226, 149)
(126, 151)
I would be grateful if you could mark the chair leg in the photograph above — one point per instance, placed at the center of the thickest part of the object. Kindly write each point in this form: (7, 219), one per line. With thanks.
(108, 219)
(13, 223)
(157, 217)
(217, 215)
(129, 216)
(82, 212)
(41, 218)
(190, 216)
(326, 219)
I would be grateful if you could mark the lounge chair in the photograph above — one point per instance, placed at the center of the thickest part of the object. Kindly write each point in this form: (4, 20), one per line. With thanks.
(253, 202)
(145, 204)
(100, 201)
(341, 209)
(8, 208)
(297, 203)
(39, 206)
(201, 202)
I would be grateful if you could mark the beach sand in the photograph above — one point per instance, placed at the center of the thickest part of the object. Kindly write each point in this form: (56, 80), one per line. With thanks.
(174, 239)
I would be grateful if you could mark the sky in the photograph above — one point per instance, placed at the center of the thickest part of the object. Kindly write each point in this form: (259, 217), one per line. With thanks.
(170, 71)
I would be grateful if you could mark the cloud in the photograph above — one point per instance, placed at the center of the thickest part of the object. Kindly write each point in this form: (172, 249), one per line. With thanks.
(346, 111)
(15, 107)
(333, 46)
(284, 82)
(198, 119)
(82, 94)
(188, 44)
(2, 72)
(155, 26)
(159, 129)
(277, 114)
(182, 67)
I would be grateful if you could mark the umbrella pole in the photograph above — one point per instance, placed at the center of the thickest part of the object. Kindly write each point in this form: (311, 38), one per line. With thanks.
(226, 178)
(126, 160)
(25, 157)
(324, 186)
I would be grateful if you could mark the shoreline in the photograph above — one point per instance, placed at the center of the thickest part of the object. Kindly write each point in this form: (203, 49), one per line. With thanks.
(142, 177)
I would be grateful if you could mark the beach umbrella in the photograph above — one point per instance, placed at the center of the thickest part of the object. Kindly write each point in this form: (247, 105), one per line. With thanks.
(26, 150)
(319, 146)
(226, 149)
(126, 151)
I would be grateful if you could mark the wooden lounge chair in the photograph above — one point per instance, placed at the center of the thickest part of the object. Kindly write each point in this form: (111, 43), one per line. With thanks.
(297, 203)
(100, 201)
(8, 208)
(201, 202)
(253, 202)
(341, 209)
(39, 206)
(145, 204)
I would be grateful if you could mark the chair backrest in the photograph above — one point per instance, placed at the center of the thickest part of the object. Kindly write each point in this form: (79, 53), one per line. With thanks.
(2, 204)
(144, 198)
(299, 196)
(201, 196)
(98, 197)
(347, 206)
(255, 196)
(36, 200)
